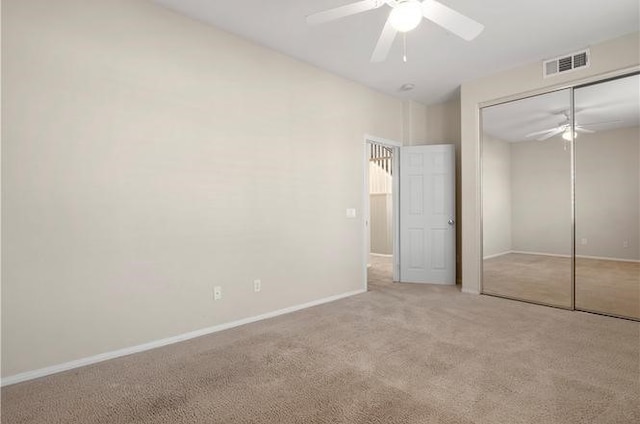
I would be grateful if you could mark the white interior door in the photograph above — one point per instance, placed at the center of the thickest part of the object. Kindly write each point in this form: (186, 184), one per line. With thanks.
(427, 214)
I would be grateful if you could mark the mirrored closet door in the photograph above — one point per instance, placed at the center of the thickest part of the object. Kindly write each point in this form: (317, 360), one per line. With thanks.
(561, 198)
(607, 202)
(526, 199)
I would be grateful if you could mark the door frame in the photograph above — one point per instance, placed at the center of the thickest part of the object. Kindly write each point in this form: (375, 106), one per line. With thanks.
(366, 210)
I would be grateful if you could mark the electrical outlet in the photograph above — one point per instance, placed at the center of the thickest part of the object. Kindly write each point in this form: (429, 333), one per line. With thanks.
(257, 285)
(625, 244)
(217, 293)
(583, 241)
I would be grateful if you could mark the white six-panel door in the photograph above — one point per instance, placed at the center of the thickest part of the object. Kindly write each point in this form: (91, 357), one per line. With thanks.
(427, 214)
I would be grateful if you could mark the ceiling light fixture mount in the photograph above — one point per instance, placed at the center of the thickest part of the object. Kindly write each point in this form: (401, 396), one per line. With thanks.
(406, 16)
(407, 87)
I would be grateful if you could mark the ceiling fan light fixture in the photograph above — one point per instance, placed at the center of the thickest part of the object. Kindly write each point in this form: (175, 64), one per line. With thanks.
(567, 134)
(406, 16)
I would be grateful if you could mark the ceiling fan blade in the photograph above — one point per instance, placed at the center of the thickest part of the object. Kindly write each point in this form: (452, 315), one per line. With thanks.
(533, 134)
(593, 124)
(451, 20)
(584, 130)
(551, 134)
(343, 11)
(384, 43)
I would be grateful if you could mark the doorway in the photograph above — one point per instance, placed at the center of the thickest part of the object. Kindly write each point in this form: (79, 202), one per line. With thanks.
(381, 215)
(413, 234)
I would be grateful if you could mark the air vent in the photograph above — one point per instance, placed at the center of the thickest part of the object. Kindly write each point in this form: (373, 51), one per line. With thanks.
(566, 63)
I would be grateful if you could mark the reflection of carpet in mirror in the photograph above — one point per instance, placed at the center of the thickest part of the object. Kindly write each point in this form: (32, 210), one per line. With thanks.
(606, 286)
(536, 278)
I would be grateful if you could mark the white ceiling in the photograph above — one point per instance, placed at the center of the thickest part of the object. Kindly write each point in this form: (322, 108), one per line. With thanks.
(516, 32)
(599, 107)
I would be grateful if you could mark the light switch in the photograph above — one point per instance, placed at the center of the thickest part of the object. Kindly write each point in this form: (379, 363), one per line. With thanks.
(351, 213)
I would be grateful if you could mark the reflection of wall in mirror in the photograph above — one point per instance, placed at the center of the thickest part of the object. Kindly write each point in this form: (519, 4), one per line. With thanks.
(541, 196)
(527, 203)
(608, 194)
(496, 196)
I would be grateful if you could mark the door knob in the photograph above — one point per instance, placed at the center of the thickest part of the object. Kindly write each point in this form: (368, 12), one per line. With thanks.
(451, 222)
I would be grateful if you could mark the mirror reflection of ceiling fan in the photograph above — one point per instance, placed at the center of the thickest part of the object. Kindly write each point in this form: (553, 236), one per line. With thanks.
(564, 128)
(405, 15)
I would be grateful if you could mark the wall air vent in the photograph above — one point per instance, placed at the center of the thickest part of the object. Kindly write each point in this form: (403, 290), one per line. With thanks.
(566, 63)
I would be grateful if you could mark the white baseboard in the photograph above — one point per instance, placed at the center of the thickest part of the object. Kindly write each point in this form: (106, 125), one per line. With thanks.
(600, 258)
(42, 372)
(555, 255)
(497, 255)
(470, 291)
(382, 255)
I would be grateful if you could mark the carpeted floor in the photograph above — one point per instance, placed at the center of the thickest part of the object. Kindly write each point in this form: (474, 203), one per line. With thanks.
(400, 353)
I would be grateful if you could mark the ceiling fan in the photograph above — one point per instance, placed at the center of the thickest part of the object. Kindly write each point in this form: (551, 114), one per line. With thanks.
(405, 16)
(564, 128)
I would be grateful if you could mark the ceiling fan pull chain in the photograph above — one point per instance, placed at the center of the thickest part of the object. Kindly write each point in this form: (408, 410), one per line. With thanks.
(404, 44)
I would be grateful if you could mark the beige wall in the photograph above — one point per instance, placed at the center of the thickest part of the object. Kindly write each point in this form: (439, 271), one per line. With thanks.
(608, 58)
(443, 123)
(147, 158)
(381, 209)
(381, 221)
(496, 198)
(414, 123)
(443, 127)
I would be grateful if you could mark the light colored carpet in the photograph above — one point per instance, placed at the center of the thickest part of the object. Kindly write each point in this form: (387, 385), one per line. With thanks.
(404, 353)
(610, 287)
